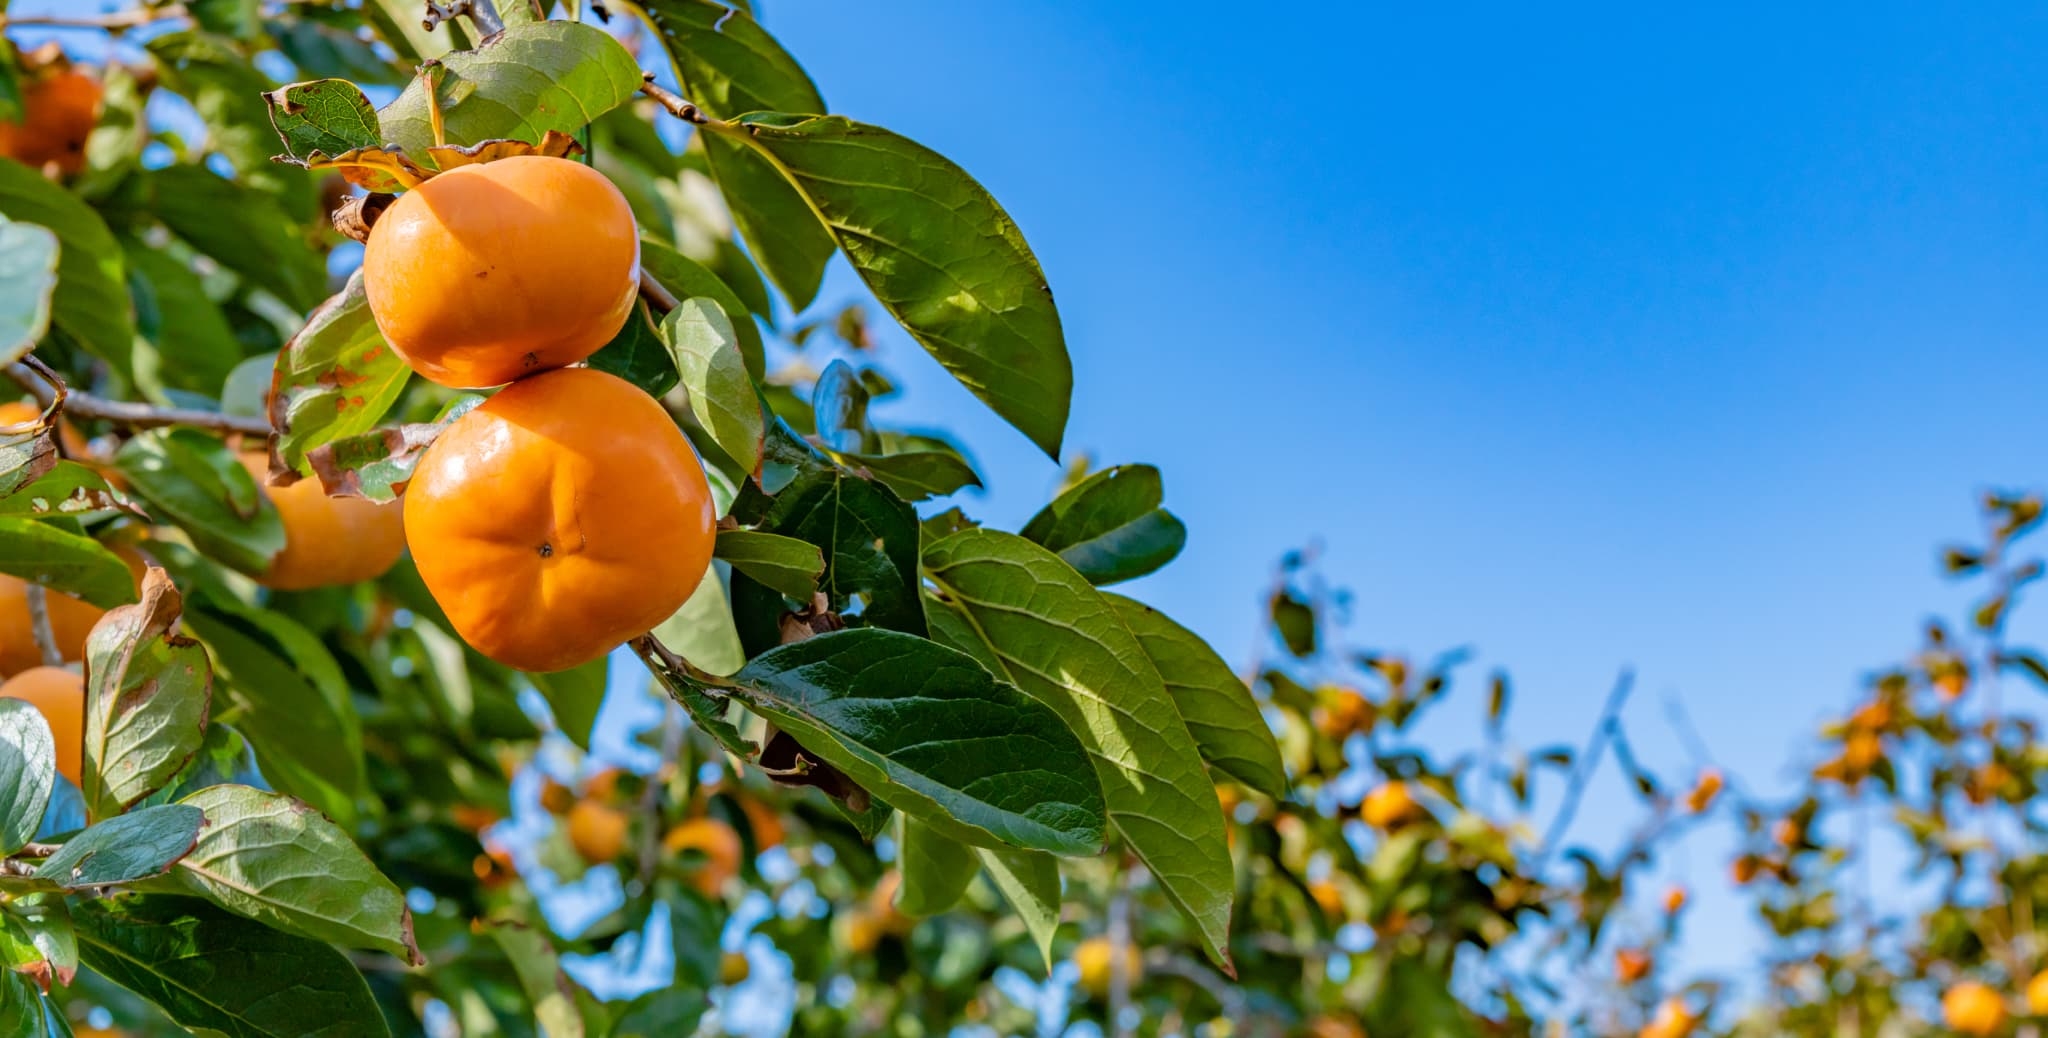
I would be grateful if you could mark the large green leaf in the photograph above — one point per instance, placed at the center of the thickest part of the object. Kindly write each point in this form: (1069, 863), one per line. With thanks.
(70, 490)
(143, 843)
(248, 232)
(561, 1006)
(702, 630)
(574, 696)
(28, 1013)
(1030, 881)
(227, 90)
(936, 870)
(639, 354)
(149, 690)
(868, 536)
(519, 85)
(714, 370)
(222, 974)
(173, 312)
(192, 479)
(786, 564)
(336, 378)
(286, 691)
(277, 861)
(91, 304)
(329, 116)
(46, 554)
(916, 475)
(1110, 526)
(28, 283)
(1220, 712)
(931, 732)
(28, 768)
(728, 66)
(1062, 642)
(685, 277)
(939, 253)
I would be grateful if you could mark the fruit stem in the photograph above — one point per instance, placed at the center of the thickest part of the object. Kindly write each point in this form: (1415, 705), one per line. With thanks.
(55, 398)
(661, 299)
(39, 626)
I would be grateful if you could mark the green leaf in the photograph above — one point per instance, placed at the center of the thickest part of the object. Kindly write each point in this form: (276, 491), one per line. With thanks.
(335, 50)
(275, 860)
(702, 630)
(933, 733)
(531, 79)
(248, 232)
(916, 475)
(223, 974)
(227, 91)
(685, 278)
(28, 768)
(639, 354)
(148, 694)
(722, 397)
(46, 554)
(69, 490)
(144, 842)
(728, 65)
(91, 304)
(1219, 711)
(176, 316)
(113, 150)
(869, 539)
(786, 564)
(661, 1013)
(27, 1013)
(36, 937)
(1110, 526)
(1030, 881)
(28, 283)
(560, 1005)
(574, 696)
(286, 692)
(336, 378)
(936, 870)
(1064, 645)
(327, 116)
(940, 254)
(192, 479)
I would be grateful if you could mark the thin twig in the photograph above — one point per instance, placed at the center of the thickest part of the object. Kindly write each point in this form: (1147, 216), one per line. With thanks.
(1120, 978)
(650, 794)
(675, 103)
(49, 389)
(117, 21)
(39, 626)
(1610, 720)
(661, 299)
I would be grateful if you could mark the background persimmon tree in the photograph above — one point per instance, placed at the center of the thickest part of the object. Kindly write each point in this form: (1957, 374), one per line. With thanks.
(910, 774)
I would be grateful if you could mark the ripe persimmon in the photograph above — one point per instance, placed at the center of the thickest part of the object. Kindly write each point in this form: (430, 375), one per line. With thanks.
(1094, 957)
(490, 272)
(1389, 805)
(559, 518)
(719, 845)
(597, 831)
(59, 695)
(327, 540)
(2037, 994)
(71, 619)
(58, 113)
(1973, 1008)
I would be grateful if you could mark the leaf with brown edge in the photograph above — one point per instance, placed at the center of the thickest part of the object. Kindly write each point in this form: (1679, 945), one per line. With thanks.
(334, 380)
(148, 694)
(378, 464)
(554, 144)
(384, 167)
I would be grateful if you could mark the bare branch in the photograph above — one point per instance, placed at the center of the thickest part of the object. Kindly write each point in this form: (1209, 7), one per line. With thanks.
(39, 626)
(1610, 721)
(49, 390)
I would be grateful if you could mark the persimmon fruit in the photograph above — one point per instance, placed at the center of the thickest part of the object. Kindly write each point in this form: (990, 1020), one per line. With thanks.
(2037, 994)
(597, 831)
(1973, 1008)
(71, 619)
(720, 846)
(328, 540)
(560, 518)
(59, 695)
(58, 114)
(1389, 805)
(1094, 957)
(490, 272)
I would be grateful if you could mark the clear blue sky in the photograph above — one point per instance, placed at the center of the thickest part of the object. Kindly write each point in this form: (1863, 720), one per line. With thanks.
(1670, 338)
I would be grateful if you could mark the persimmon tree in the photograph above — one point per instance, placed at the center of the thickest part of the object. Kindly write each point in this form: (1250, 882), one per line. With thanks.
(304, 654)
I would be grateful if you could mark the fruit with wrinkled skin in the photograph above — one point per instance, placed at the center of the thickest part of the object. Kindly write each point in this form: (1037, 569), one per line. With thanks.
(560, 518)
(597, 831)
(59, 695)
(58, 113)
(492, 272)
(720, 846)
(328, 541)
(1094, 957)
(1973, 1008)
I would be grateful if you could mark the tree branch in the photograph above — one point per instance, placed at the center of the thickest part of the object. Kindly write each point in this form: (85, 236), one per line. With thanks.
(661, 299)
(675, 103)
(115, 22)
(1610, 719)
(50, 392)
(39, 626)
